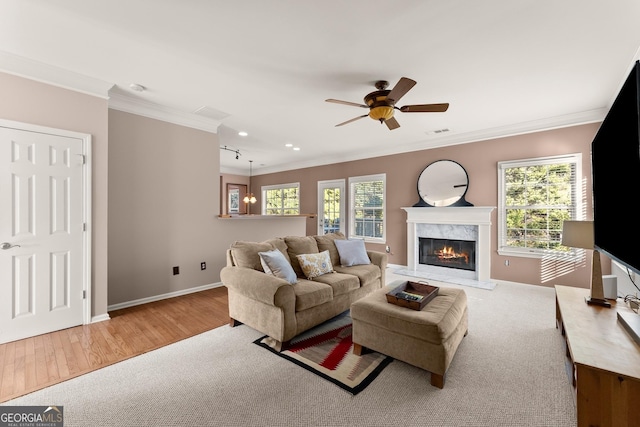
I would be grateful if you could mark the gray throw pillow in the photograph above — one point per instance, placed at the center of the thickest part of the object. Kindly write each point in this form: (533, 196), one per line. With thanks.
(352, 252)
(274, 262)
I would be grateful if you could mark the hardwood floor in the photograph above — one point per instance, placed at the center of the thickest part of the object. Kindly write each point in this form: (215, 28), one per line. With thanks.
(41, 361)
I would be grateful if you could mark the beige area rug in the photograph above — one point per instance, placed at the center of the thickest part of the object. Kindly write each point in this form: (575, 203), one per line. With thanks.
(509, 371)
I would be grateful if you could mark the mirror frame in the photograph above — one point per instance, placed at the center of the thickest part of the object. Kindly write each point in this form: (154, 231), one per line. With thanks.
(240, 190)
(456, 199)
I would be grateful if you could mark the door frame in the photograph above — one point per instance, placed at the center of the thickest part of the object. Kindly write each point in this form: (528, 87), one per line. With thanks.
(86, 202)
(332, 183)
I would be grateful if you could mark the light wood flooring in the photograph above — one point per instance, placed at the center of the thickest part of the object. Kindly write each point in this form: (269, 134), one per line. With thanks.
(44, 360)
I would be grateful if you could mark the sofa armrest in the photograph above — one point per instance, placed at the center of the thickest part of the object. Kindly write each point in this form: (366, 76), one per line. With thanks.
(259, 286)
(378, 258)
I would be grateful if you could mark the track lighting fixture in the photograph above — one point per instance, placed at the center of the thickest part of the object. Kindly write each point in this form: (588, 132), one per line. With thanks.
(237, 151)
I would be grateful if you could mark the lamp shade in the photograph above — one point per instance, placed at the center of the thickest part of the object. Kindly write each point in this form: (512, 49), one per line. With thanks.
(381, 112)
(578, 234)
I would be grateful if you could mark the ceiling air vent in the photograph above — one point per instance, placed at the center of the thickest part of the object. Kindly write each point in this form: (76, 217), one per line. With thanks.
(438, 131)
(211, 113)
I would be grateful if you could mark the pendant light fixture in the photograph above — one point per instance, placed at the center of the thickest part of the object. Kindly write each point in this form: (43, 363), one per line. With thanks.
(249, 197)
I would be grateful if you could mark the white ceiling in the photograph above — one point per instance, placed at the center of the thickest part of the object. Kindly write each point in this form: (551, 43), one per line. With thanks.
(266, 66)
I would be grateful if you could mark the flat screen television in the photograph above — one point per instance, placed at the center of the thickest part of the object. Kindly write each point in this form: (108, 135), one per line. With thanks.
(615, 168)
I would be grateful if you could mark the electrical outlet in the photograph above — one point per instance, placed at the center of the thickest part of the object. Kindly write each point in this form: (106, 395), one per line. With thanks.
(506, 262)
(387, 249)
(203, 265)
(176, 270)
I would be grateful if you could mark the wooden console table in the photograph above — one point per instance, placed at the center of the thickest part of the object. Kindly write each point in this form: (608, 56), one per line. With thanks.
(603, 360)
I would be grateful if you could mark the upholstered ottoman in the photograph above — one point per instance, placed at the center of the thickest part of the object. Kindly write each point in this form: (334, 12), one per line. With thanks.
(427, 338)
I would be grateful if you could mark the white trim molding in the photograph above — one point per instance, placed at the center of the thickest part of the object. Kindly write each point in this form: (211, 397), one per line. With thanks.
(163, 296)
(469, 215)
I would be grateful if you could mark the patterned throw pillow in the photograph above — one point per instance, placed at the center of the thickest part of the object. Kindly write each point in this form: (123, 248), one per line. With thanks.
(314, 265)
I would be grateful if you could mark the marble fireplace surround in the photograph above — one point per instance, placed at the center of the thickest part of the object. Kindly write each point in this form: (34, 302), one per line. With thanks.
(467, 223)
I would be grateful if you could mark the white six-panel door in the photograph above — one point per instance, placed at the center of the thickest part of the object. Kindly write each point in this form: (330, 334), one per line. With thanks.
(42, 229)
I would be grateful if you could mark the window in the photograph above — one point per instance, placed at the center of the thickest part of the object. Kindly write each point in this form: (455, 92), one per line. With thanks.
(281, 199)
(367, 207)
(535, 197)
(331, 206)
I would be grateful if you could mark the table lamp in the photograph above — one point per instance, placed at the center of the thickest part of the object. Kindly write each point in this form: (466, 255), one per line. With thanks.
(579, 234)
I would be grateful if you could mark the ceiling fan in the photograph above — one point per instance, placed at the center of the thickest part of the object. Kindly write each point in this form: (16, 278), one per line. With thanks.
(382, 103)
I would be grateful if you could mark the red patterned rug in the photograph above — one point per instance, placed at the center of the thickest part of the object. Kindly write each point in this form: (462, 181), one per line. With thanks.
(327, 351)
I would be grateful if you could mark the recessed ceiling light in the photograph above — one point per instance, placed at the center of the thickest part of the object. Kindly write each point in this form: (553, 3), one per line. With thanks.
(288, 145)
(296, 148)
(242, 133)
(137, 87)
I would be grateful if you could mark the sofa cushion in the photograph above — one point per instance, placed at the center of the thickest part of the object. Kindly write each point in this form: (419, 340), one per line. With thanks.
(245, 254)
(310, 294)
(297, 245)
(314, 265)
(366, 273)
(352, 252)
(280, 245)
(274, 262)
(326, 243)
(340, 283)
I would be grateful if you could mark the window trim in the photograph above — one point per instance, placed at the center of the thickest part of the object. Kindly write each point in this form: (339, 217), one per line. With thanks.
(351, 229)
(577, 213)
(265, 188)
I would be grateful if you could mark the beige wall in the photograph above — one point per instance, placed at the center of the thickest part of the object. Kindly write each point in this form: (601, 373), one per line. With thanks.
(164, 201)
(156, 193)
(36, 103)
(480, 160)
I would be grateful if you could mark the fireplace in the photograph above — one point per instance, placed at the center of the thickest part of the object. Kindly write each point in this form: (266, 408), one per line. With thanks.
(451, 253)
(471, 225)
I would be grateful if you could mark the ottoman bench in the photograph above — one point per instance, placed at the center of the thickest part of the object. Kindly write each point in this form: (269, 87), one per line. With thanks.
(427, 338)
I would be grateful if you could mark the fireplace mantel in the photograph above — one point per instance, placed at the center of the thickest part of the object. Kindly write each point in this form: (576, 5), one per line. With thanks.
(479, 216)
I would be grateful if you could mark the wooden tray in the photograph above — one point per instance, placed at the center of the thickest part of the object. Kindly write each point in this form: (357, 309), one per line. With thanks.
(423, 291)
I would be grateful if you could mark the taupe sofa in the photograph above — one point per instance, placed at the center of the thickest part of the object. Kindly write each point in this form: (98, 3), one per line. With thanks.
(282, 310)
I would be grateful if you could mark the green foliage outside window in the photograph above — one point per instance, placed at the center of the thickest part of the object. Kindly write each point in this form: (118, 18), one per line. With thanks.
(537, 200)
(331, 214)
(368, 209)
(282, 201)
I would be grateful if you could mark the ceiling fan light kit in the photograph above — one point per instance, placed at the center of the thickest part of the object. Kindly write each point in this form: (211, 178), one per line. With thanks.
(382, 103)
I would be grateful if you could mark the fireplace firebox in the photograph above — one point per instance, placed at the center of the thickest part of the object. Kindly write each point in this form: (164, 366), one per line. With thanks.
(460, 254)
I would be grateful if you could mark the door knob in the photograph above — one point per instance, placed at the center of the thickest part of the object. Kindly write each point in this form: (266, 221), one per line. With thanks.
(7, 245)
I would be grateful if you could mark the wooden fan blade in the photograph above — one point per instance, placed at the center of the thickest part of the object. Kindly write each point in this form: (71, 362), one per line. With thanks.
(392, 123)
(353, 104)
(425, 108)
(400, 89)
(352, 120)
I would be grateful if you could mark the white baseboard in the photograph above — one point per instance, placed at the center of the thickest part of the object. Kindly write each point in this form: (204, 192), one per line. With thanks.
(396, 266)
(101, 318)
(163, 296)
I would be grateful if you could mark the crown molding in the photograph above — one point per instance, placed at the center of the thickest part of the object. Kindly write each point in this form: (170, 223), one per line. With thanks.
(582, 118)
(128, 104)
(55, 76)
(52, 75)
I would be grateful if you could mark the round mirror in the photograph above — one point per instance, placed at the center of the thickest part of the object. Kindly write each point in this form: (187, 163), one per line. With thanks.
(443, 183)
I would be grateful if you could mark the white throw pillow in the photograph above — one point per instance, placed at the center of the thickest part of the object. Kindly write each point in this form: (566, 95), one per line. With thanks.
(273, 262)
(352, 252)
